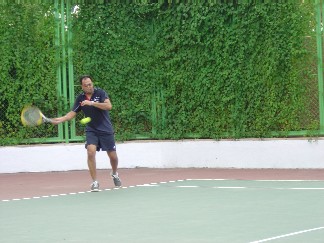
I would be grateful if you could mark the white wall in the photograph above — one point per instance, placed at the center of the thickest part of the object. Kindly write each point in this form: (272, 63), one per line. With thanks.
(284, 153)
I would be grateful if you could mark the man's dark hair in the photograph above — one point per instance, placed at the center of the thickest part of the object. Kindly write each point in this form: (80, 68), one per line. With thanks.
(83, 77)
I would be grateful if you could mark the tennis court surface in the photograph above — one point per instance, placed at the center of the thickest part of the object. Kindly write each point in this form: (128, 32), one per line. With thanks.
(164, 205)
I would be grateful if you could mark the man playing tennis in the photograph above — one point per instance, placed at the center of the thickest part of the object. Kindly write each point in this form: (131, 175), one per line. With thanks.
(95, 103)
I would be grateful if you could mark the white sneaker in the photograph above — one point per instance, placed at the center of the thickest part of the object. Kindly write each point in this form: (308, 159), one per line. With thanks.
(116, 180)
(95, 186)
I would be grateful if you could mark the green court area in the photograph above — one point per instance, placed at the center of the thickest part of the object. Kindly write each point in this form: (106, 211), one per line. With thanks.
(177, 211)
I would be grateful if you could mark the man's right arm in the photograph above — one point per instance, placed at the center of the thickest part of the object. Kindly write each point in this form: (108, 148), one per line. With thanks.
(65, 118)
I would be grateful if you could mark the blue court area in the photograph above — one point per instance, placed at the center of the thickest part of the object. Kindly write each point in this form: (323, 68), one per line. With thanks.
(177, 211)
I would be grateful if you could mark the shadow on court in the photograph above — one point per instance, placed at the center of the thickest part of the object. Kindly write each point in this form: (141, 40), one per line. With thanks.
(175, 211)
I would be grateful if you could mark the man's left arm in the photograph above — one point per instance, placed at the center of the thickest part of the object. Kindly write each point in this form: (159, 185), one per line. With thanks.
(106, 105)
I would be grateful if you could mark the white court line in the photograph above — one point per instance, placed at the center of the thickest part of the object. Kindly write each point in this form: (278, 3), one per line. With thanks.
(209, 179)
(286, 235)
(307, 188)
(250, 180)
(187, 186)
(146, 185)
(288, 180)
(262, 188)
(155, 184)
(230, 187)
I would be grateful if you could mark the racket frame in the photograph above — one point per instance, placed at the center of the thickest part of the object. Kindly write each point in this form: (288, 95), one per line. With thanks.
(35, 121)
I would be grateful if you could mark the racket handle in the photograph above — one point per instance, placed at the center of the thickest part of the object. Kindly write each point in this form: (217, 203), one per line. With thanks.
(48, 120)
(45, 119)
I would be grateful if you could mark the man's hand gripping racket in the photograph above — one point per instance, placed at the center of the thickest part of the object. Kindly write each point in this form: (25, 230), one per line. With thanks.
(32, 116)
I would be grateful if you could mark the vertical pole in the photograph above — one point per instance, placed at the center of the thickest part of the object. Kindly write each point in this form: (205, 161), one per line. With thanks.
(58, 71)
(319, 7)
(163, 115)
(154, 114)
(70, 63)
(64, 81)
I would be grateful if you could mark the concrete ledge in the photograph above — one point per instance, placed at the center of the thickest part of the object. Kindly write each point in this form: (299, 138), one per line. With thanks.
(284, 153)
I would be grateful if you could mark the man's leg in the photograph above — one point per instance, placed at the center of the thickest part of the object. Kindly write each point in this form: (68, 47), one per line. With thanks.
(113, 161)
(91, 151)
(114, 166)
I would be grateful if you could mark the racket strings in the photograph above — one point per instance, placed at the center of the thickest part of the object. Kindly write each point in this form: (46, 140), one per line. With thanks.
(32, 116)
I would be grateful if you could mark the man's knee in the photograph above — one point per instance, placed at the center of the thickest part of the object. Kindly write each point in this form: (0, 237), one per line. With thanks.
(112, 155)
(91, 150)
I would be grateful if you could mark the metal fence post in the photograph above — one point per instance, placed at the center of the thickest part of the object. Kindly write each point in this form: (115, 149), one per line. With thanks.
(319, 35)
(70, 65)
(58, 71)
(64, 81)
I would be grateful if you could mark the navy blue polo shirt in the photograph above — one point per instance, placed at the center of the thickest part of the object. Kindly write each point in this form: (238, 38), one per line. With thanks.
(100, 119)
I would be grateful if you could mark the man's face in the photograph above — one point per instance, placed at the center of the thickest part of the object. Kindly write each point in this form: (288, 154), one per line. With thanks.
(87, 86)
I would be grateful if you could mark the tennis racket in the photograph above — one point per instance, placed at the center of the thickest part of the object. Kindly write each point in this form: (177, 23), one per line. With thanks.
(31, 116)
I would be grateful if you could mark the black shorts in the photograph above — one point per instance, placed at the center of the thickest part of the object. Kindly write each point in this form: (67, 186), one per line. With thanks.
(103, 141)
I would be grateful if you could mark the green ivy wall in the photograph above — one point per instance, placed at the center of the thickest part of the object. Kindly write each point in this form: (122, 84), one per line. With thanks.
(172, 71)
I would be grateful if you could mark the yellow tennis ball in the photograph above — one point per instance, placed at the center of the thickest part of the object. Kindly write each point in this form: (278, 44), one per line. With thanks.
(85, 120)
